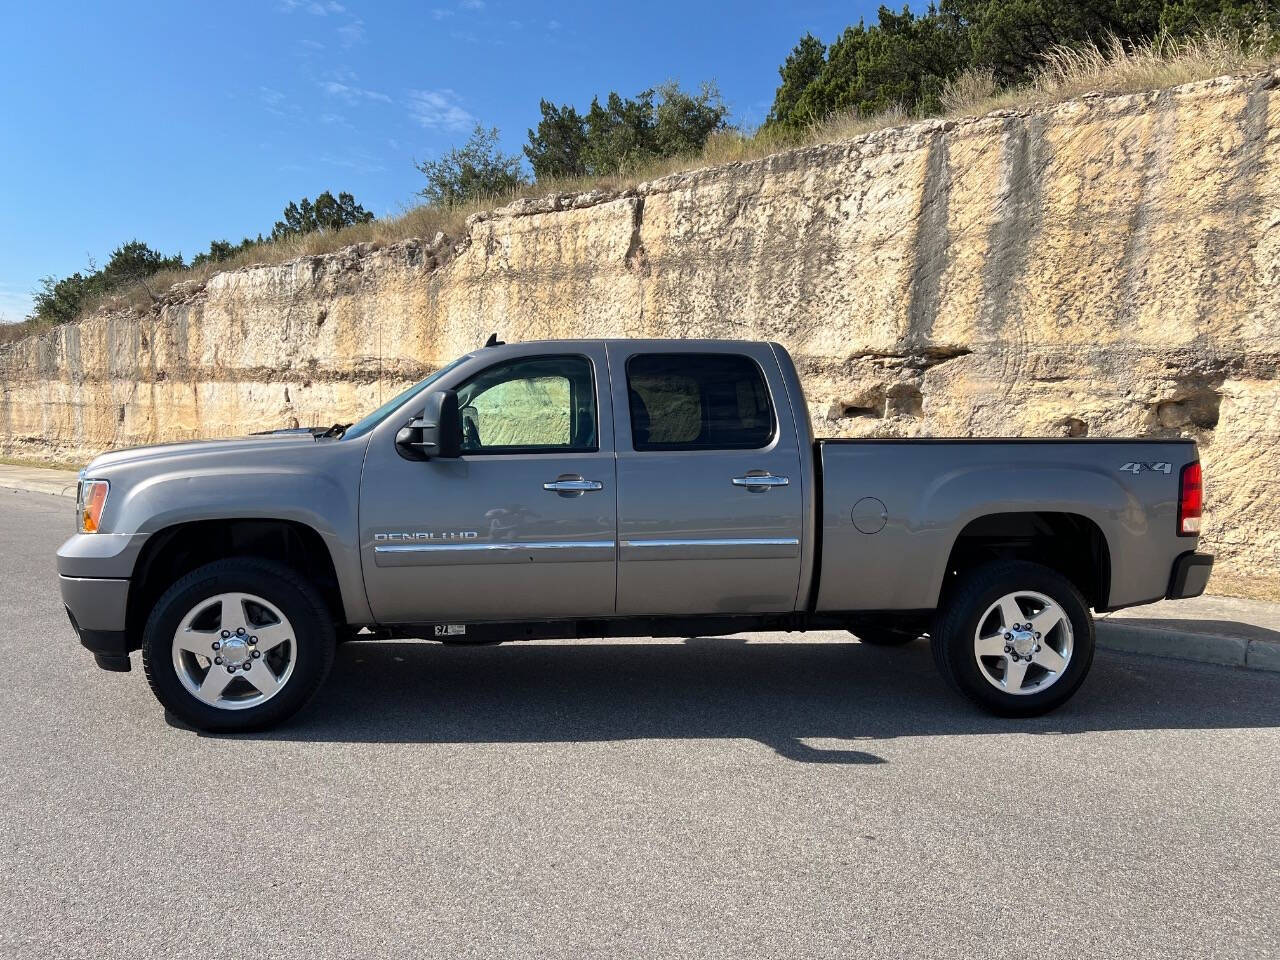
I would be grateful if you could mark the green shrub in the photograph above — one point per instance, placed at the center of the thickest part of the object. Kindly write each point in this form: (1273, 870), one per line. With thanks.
(475, 170)
(623, 134)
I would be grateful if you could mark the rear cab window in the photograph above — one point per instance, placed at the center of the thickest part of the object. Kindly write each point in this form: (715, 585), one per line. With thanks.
(698, 401)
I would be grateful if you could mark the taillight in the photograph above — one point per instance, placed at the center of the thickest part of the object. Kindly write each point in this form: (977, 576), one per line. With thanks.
(1190, 500)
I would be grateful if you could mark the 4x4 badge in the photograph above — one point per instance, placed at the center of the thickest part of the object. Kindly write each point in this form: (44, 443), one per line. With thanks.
(1137, 466)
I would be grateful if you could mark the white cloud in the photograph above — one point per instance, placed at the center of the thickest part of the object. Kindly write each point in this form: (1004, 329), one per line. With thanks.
(553, 25)
(317, 8)
(438, 110)
(351, 95)
(440, 13)
(352, 33)
(472, 4)
(359, 160)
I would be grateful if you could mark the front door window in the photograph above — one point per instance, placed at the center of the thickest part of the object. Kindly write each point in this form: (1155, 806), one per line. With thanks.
(530, 405)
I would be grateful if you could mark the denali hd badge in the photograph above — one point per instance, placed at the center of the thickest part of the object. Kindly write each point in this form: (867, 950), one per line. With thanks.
(427, 536)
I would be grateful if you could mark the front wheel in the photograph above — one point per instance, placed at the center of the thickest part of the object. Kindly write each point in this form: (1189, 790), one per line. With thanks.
(1016, 638)
(237, 645)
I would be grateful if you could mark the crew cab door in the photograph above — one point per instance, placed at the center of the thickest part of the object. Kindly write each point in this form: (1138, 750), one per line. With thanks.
(521, 526)
(710, 488)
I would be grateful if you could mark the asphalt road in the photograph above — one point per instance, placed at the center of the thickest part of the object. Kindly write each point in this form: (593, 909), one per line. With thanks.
(711, 798)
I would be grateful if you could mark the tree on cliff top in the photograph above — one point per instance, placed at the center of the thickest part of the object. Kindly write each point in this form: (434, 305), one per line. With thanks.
(902, 59)
(474, 171)
(624, 133)
(58, 301)
(222, 250)
(327, 213)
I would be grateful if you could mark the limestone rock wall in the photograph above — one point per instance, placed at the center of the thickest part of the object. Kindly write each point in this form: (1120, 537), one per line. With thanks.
(1109, 266)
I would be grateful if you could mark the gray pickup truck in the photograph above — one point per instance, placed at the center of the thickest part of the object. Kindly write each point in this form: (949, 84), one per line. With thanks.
(615, 488)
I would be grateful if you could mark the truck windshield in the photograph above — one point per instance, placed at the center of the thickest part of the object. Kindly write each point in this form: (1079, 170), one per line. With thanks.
(366, 424)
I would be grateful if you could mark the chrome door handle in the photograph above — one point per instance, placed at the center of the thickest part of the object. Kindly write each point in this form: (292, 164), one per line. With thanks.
(573, 486)
(761, 482)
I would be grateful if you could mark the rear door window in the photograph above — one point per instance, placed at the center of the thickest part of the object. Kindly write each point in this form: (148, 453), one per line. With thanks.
(698, 401)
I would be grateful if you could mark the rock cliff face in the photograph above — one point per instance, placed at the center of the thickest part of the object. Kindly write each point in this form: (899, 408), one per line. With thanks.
(1109, 266)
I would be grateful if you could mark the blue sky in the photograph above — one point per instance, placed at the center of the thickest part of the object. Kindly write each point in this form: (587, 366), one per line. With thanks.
(180, 122)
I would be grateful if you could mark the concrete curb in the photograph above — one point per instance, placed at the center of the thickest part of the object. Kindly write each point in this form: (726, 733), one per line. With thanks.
(58, 483)
(1252, 654)
(51, 489)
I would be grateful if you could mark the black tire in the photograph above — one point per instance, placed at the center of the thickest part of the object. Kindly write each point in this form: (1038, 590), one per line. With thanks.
(314, 641)
(957, 625)
(882, 637)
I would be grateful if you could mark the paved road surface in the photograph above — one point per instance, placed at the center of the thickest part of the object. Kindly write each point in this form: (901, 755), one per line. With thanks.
(711, 798)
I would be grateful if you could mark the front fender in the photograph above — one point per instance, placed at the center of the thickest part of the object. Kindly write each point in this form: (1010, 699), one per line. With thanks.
(314, 484)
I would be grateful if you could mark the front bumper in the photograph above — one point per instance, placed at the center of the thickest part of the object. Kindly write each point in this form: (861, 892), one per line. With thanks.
(96, 608)
(93, 575)
(1190, 576)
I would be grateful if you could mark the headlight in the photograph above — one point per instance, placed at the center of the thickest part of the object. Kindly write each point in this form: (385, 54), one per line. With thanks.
(91, 497)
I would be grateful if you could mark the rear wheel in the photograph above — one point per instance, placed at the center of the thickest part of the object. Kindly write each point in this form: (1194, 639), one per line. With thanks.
(240, 644)
(1016, 638)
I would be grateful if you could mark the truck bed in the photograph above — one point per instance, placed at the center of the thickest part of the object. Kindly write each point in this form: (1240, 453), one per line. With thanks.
(892, 511)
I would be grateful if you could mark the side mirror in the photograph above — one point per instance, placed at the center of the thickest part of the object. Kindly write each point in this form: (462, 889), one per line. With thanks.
(437, 433)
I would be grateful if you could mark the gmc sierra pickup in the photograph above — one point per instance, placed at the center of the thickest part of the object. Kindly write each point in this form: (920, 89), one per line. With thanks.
(615, 488)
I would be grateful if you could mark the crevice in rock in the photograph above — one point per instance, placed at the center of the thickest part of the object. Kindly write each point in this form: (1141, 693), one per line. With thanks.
(850, 411)
(1193, 408)
(919, 358)
(1024, 154)
(931, 245)
(879, 402)
(637, 258)
(1072, 427)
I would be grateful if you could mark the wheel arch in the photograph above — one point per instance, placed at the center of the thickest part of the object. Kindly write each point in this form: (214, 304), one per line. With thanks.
(1069, 543)
(176, 550)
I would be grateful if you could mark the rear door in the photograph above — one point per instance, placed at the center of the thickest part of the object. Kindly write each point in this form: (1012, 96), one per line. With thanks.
(709, 482)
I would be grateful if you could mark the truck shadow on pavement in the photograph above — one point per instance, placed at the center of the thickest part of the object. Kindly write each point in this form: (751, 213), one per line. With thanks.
(783, 694)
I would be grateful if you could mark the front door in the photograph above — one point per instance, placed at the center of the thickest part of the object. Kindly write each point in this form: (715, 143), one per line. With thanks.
(710, 495)
(521, 526)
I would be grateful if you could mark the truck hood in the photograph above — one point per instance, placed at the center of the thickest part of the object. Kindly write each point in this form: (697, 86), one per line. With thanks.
(173, 451)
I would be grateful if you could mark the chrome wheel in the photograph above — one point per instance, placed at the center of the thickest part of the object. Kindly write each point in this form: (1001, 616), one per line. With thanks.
(234, 651)
(1023, 642)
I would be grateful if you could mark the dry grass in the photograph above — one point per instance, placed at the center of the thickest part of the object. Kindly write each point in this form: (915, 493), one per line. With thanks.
(1114, 67)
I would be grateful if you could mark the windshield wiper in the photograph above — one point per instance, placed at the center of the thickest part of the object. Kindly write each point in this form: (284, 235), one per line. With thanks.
(337, 430)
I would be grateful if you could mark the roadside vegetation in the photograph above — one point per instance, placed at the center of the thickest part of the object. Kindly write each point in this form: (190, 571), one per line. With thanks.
(966, 57)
